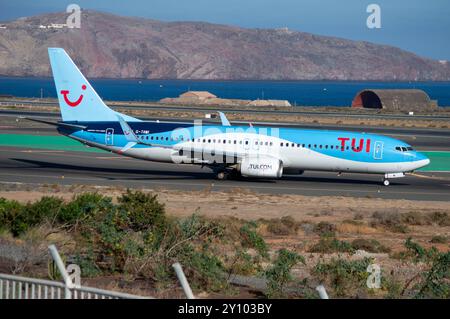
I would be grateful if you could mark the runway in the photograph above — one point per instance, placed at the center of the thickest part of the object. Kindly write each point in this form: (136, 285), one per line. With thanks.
(24, 164)
(34, 166)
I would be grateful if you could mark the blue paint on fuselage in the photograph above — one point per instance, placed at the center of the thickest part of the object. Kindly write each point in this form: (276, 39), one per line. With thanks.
(321, 141)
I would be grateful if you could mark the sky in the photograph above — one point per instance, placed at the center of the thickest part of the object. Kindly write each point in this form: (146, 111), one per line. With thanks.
(420, 26)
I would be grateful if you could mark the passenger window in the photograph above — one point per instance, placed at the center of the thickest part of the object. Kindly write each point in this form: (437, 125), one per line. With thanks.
(151, 137)
(234, 141)
(271, 143)
(281, 144)
(246, 142)
(224, 141)
(157, 138)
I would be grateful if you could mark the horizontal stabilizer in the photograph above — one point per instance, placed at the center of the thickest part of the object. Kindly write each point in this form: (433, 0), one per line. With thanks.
(59, 124)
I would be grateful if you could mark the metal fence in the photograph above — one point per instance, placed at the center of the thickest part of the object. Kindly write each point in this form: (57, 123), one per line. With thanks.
(17, 287)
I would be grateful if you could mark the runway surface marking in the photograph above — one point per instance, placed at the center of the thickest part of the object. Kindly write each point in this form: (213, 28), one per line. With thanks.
(426, 176)
(114, 157)
(41, 151)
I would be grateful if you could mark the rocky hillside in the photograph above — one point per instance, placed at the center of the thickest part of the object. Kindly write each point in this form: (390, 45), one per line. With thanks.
(122, 47)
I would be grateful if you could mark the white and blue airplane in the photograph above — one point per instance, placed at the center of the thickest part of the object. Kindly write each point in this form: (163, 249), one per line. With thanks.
(262, 152)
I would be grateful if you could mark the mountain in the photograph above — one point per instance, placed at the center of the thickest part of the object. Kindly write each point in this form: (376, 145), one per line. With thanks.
(112, 46)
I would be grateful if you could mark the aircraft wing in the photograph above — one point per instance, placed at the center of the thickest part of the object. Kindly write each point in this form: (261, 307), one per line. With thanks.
(133, 140)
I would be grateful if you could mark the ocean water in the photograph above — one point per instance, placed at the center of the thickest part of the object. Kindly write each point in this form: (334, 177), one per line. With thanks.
(300, 93)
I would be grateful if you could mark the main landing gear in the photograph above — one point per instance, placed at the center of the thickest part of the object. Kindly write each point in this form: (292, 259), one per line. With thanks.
(222, 175)
(227, 174)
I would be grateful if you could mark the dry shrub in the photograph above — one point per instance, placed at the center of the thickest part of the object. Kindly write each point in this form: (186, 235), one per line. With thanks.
(353, 228)
(283, 226)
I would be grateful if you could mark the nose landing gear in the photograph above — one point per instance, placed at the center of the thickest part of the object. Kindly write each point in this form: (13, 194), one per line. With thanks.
(391, 175)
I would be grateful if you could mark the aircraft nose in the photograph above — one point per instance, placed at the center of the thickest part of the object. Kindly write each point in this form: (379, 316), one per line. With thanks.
(422, 160)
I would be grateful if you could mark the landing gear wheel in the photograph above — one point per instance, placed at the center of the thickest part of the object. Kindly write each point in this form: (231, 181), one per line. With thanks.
(221, 176)
(386, 182)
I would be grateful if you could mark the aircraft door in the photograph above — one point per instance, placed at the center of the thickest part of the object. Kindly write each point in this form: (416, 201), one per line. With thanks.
(378, 150)
(109, 136)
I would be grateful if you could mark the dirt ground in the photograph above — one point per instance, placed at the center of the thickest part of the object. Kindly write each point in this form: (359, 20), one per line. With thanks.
(243, 204)
(352, 218)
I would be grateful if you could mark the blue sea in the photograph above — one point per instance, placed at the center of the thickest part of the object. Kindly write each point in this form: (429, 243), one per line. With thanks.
(300, 93)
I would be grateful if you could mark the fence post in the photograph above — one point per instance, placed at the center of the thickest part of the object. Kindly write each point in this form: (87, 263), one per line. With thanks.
(183, 281)
(62, 269)
(322, 292)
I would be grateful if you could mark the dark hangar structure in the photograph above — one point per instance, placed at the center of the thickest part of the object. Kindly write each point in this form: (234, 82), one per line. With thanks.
(403, 100)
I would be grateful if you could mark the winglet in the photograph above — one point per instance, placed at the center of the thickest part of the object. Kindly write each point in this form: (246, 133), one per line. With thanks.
(127, 131)
(224, 119)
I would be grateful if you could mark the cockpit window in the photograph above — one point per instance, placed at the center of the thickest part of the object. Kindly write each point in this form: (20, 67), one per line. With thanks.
(403, 148)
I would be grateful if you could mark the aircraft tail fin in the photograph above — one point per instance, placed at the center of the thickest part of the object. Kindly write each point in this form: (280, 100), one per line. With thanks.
(78, 100)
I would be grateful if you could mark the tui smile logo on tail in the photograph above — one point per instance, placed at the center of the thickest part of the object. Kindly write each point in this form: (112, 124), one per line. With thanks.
(70, 103)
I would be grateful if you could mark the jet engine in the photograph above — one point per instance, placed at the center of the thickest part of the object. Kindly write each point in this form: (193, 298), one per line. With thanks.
(261, 166)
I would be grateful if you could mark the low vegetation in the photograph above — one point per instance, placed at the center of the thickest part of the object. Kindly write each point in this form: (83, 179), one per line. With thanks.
(132, 237)
(399, 223)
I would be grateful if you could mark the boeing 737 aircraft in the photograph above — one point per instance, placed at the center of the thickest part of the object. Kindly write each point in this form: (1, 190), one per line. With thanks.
(263, 152)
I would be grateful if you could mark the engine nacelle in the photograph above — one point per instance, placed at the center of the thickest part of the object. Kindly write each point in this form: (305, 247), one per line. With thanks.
(261, 166)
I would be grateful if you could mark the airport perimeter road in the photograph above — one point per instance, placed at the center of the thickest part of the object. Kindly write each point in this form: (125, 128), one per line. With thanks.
(210, 109)
(35, 166)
